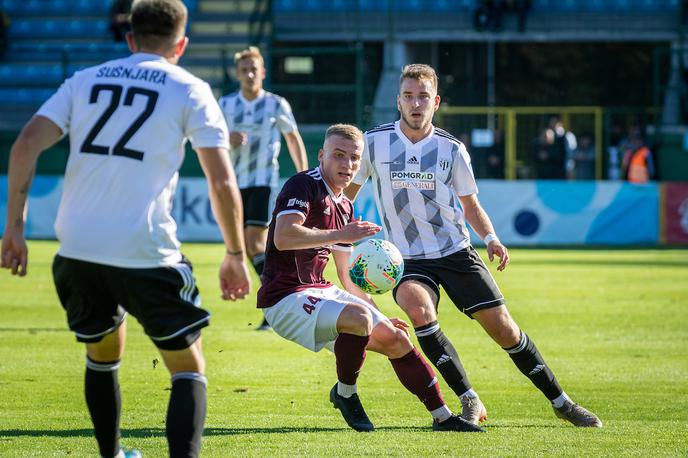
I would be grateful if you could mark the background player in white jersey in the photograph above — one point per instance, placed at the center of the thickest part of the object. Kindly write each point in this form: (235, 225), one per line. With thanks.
(128, 121)
(418, 172)
(312, 218)
(255, 118)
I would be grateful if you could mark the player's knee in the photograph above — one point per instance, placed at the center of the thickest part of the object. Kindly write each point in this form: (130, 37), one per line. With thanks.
(355, 319)
(417, 302)
(507, 335)
(188, 359)
(399, 342)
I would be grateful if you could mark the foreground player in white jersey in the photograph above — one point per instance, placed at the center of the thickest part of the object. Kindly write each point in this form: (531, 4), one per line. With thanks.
(128, 121)
(312, 218)
(420, 176)
(255, 118)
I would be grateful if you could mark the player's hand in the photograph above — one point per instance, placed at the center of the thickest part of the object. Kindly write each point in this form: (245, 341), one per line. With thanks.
(357, 230)
(237, 139)
(400, 324)
(495, 247)
(234, 280)
(14, 254)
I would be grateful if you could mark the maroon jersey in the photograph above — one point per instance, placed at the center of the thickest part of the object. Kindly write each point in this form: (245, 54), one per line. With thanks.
(289, 271)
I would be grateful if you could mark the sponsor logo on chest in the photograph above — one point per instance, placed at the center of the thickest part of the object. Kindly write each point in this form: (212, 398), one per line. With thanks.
(402, 179)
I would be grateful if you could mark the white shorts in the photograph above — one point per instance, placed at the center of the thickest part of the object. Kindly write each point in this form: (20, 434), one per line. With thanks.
(309, 317)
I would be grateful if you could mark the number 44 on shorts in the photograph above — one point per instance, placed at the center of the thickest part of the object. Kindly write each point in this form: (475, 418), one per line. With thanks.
(310, 307)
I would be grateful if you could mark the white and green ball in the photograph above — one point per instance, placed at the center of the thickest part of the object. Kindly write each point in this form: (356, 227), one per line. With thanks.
(376, 266)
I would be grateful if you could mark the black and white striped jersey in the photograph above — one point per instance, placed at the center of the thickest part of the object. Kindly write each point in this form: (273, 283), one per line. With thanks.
(416, 187)
(262, 119)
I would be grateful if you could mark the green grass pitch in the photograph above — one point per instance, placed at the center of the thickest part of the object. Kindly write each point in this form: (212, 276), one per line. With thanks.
(612, 324)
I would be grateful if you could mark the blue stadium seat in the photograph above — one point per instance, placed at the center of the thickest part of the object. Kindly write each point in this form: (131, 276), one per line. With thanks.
(23, 96)
(372, 5)
(606, 5)
(55, 7)
(45, 75)
(71, 28)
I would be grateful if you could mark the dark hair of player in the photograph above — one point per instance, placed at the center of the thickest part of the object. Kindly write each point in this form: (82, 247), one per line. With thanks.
(158, 24)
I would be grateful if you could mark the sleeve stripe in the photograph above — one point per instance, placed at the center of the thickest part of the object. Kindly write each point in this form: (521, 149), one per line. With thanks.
(290, 212)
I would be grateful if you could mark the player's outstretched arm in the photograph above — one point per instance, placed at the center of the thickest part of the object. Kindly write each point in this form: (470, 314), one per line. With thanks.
(297, 150)
(290, 234)
(39, 134)
(341, 261)
(481, 224)
(228, 211)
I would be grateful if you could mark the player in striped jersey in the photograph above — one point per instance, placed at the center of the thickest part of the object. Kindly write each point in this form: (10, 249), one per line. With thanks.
(128, 120)
(425, 192)
(256, 118)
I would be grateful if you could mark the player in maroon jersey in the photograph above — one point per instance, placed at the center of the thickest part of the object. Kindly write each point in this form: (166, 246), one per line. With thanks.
(313, 218)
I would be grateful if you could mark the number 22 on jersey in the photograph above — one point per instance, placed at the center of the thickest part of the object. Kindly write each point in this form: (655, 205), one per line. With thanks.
(116, 91)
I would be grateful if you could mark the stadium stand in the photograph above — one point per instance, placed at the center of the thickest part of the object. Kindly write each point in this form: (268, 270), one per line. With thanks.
(51, 39)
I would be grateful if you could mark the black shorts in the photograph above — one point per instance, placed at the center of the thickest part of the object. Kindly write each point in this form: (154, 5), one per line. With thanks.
(164, 300)
(463, 275)
(256, 201)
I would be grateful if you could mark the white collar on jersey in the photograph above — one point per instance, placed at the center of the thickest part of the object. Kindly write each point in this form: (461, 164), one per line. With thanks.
(336, 199)
(409, 143)
(261, 94)
(143, 56)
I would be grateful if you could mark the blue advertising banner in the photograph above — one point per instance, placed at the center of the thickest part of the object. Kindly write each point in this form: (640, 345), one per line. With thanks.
(523, 212)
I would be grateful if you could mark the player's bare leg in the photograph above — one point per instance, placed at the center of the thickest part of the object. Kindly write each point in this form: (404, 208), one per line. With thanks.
(101, 389)
(498, 323)
(416, 375)
(419, 301)
(187, 407)
(354, 326)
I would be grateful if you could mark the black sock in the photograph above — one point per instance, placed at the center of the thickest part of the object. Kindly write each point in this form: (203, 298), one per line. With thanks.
(441, 353)
(258, 262)
(186, 414)
(529, 361)
(101, 389)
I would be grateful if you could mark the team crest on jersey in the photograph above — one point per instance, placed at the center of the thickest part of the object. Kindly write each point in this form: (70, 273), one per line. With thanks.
(301, 203)
(444, 164)
(327, 211)
(402, 179)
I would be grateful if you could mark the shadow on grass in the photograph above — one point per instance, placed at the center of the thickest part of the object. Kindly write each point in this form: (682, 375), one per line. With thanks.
(160, 432)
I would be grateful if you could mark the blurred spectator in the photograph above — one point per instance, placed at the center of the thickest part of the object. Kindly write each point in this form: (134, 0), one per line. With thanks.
(119, 19)
(4, 25)
(487, 156)
(581, 163)
(551, 149)
(484, 15)
(638, 164)
(495, 156)
(488, 14)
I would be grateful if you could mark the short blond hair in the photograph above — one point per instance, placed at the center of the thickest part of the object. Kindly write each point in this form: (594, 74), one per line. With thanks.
(348, 131)
(419, 72)
(252, 52)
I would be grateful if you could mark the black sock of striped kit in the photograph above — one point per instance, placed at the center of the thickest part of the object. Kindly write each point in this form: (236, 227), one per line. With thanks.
(529, 361)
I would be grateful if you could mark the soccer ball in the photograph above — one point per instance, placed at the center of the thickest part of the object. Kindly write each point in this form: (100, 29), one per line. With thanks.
(375, 266)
